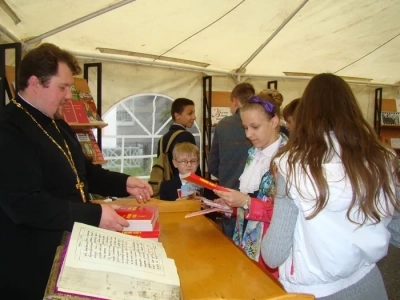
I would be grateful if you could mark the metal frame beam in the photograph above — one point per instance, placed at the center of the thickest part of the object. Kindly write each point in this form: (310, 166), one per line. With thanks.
(270, 38)
(3, 80)
(77, 21)
(99, 69)
(206, 134)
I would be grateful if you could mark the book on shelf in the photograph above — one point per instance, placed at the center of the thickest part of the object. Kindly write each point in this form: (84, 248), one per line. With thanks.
(74, 92)
(392, 141)
(89, 146)
(152, 235)
(81, 108)
(90, 106)
(103, 264)
(390, 118)
(75, 112)
(140, 218)
(82, 92)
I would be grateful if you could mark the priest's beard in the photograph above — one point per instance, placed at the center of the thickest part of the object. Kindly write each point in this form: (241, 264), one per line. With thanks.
(59, 114)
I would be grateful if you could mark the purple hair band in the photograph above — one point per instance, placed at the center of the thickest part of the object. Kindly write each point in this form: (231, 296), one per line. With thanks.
(269, 107)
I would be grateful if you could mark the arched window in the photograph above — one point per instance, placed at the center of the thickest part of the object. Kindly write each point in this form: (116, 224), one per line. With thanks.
(135, 125)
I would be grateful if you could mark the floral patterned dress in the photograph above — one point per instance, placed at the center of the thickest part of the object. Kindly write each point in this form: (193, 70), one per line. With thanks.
(249, 236)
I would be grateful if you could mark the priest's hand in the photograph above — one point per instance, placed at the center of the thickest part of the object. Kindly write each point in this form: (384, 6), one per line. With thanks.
(110, 219)
(139, 188)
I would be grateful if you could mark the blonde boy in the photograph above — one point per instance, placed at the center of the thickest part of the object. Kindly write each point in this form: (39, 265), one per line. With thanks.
(185, 157)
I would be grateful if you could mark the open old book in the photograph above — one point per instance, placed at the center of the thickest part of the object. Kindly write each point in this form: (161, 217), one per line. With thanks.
(102, 264)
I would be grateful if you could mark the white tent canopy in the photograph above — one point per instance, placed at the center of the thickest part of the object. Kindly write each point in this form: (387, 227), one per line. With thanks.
(271, 38)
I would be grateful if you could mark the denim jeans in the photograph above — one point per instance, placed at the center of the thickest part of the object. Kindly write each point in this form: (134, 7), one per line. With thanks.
(228, 225)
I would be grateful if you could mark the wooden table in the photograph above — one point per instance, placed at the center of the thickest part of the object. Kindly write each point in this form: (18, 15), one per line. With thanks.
(210, 266)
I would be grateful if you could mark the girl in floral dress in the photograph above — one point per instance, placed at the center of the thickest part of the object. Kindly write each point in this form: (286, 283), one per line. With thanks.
(260, 117)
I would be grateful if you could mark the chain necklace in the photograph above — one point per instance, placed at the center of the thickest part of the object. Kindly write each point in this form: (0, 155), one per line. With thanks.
(79, 185)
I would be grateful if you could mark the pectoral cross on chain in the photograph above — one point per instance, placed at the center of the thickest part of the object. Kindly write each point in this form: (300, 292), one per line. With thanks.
(79, 186)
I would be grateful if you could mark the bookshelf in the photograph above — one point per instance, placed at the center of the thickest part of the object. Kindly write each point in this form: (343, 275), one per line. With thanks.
(388, 123)
(80, 113)
(90, 120)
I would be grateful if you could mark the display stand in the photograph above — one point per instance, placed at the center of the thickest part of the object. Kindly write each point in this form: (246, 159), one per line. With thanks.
(84, 130)
(90, 146)
(387, 120)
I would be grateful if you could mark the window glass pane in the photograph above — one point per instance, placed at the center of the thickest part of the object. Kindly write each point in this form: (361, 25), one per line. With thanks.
(135, 124)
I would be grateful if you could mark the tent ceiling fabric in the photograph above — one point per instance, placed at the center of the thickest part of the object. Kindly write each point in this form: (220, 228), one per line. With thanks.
(358, 38)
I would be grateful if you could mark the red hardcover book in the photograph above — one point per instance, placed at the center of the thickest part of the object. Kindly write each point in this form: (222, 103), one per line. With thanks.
(152, 235)
(140, 218)
(80, 111)
(69, 113)
(193, 178)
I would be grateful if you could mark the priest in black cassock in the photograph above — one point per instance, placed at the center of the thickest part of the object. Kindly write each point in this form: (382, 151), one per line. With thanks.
(45, 179)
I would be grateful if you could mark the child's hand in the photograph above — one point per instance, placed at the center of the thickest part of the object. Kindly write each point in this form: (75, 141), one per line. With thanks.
(232, 198)
(220, 201)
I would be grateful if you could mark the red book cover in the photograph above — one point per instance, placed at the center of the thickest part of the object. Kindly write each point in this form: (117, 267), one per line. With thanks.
(98, 154)
(153, 235)
(80, 111)
(69, 113)
(140, 218)
(193, 178)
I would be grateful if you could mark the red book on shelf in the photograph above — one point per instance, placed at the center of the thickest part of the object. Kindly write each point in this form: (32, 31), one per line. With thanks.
(140, 218)
(80, 111)
(152, 235)
(193, 178)
(69, 113)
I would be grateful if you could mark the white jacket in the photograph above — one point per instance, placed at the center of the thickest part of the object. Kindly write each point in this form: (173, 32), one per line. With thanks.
(329, 252)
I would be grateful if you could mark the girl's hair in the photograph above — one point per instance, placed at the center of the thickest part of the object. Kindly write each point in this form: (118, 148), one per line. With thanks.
(250, 105)
(288, 110)
(185, 148)
(327, 107)
(274, 94)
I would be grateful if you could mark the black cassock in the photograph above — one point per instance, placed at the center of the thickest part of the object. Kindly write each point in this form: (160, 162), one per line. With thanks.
(38, 196)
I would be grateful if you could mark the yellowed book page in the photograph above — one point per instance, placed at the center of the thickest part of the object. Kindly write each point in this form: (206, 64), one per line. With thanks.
(99, 262)
(107, 285)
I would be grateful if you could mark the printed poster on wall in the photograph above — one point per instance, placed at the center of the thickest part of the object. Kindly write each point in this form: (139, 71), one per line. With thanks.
(218, 113)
